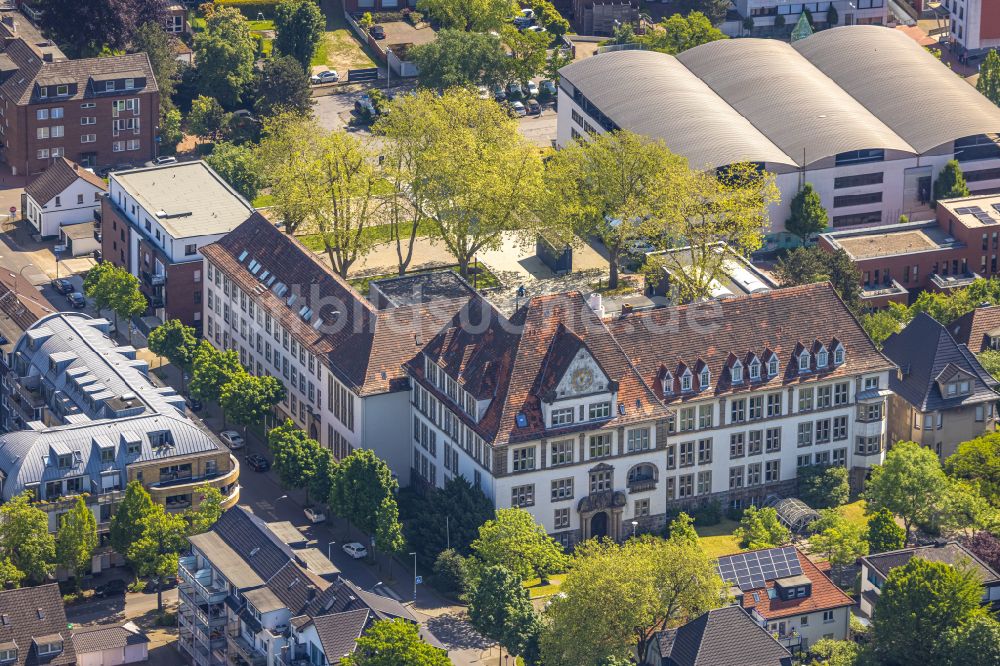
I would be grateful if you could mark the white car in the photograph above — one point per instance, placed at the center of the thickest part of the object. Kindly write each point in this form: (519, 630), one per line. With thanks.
(535, 28)
(232, 439)
(532, 89)
(314, 515)
(166, 159)
(519, 109)
(329, 76)
(355, 550)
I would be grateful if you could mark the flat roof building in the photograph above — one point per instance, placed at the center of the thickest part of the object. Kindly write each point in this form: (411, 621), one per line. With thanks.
(836, 109)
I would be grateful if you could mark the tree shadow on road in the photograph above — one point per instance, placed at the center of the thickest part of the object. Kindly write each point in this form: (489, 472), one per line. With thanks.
(456, 632)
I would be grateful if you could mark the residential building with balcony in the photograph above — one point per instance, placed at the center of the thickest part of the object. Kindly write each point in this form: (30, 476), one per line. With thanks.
(95, 111)
(942, 396)
(875, 568)
(34, 630)
(789, 595)
(246, 597)
(801, 111)
(85, 420)
(154, 223)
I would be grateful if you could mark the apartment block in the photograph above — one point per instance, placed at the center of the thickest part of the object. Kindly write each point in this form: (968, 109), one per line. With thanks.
(155, 222)
(975, 28)
(84, 419)
(97, 112)
(847, 12)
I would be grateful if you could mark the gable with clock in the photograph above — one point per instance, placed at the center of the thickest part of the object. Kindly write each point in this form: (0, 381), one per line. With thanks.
(583, 376)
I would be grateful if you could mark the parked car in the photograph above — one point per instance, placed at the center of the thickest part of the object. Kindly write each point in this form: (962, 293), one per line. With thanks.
(519, 110)
(77, 300)
(534, 108)
(532, 90)
(63, 286)
(377, 31)
(484, 92)
(113, 588)
(535, 28)
(355, 550)
(498, 93)
(165, 159)
(232, 439)
(514, 89)
(257, 462)
(522, 22)
(194, 404)
(329, 76)
(314, 514)
(547, 87)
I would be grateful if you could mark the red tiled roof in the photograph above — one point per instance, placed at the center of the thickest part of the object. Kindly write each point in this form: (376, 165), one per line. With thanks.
(825, 595)
(783, 321)
(972, 329)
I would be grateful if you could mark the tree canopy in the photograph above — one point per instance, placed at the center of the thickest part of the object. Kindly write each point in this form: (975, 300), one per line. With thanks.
(127, 522)
(459, 58)
(950, 183)
(500, 609)
(446, 517)
(225, 54)
(238, 166)
(299, 27)
(296, 456)
(155, 553)
(978, 461)
(158, 45)
(715, 10)
(76, 540)
(360, 485)
(212, 370)
(176, 342)
(87, 28)
(679, 33)
(25, 538)
(207, 510)
(823, 486)
(808, 215)
(283, 86)
(806, 265)
(909, 484)
(394, 643)
(989, 77)
(247, 398)
(469, 15)
(761, 528)
(515, 541)
(883, 533)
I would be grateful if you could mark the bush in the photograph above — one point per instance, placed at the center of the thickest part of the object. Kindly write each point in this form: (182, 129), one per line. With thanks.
(733, 513)
(450, 574)
(708, 514)
(250, 8)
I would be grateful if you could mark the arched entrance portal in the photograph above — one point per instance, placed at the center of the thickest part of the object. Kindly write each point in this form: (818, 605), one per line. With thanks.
(599, 525)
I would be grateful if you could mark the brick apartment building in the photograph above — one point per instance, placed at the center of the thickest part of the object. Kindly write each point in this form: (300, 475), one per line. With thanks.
(975, 27)
(94, 111)
(900, 260)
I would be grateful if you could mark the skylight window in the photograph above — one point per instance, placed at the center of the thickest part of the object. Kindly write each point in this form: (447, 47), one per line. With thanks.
(243, 255)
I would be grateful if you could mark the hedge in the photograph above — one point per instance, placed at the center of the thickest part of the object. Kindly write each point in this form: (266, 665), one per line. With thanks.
(250, 8)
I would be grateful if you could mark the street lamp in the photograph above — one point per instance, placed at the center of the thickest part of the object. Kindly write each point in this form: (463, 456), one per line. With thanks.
(329, 552)
(414, 577)
(635, 524)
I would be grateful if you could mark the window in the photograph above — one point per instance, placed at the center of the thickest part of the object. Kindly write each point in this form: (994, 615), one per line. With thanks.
(524, 459)
(8, 655)
(107, 455)
(638, 439)
(738, 411)
(562, 416)
(62, 90)
(870, 412)
(756, 407)
(823, 394)
(827, 616)
(685, 486)
(805, 433)
(840, 457)
(737, 372)
(870, 445)
(773, 404)
(641, 508)
(772, 367)
(753, 474)
(600, 481)
(755, 439)
(42, 133)
(823, 431)
(686, 381)
(562, 489)
(839, 428)
(599, 410)
(737, 445)
(671, 456)
(772, 441)
(687, 419)
(705, 482)
(562, 452)
(42, 114)
(522, 495)
(846, 200)
(59, 203)
(838, 353)
(858, 180)
(118, 147)
(88, 120)
(860, 156)
(58, 131)
(704, 379)
(754, 370)
(561, 519)
(687, 454)
(871, 383)
(704, 451)
(133, 144)
(822, 458)
(805, 399)
(803, 461)
(705, 416)
(840, 394)
(600, 445)
(804, 361)
(109, 86)
(772, 471)
(49, 648)
(735, 478)
(190, 249)
(822, 358)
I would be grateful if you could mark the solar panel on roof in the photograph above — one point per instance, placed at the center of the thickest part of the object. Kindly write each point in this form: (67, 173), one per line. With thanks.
(752, 570)
(975, 209)
(961, 211)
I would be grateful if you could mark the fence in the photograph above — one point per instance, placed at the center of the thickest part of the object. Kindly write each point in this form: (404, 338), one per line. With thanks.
(634, 46)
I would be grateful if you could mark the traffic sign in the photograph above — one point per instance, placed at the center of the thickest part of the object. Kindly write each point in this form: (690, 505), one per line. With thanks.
(419, 580)
(13, 209)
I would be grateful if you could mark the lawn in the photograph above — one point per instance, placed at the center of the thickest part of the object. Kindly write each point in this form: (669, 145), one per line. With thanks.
(718, 540)
(341, 49)
(537, 590)
(855, 512)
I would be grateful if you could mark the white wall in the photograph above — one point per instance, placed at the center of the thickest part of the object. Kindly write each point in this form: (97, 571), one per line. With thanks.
(130, 654)
(46, 217)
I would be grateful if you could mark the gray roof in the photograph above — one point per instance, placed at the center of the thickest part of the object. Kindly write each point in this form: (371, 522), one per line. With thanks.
(195, 199)
(951, 552)
(655, 95)
(926, 354)
(725, 636)
(109, 638)
(338, 632)
(421, 288)
(57, 177)
(900, 82)
(790, 101)
(31, 613)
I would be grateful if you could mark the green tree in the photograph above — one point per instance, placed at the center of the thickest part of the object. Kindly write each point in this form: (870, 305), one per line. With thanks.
(451, 575)
(679, 33)
(207, 118)
(715, 10)
(211, 370)
(295, 456)
(615, 598)
(10, 575)
(950, 183)
(459, 58)
(547, 16)
(208, 510)
(388, 530)
(909, 484)
(159, 46)
(322, 478)
(748, 25)
(127, 300)
(761, 528)
(126, 523)
(225, 54)
(839, 540)
(883, 533)
(989, 77)
(76, 541)
(154, 555)
(803, 27)
(285, 154)
(823, 486)
(299, 27)
(469, 15)
(25, 537)
(830, 652)
(808, 215)
(805, 265)
(500, 609)
(682, 529)
(978, 461)
(527, 51)
(879, 325)
(283, 87)
(920, 602)
(514, 540)
(962, 508)
(170, 132)
(832, 17)
(247, 398)
(974, 642)
(990, 360)
(92, 27)
(238, 166)
(176, 342)
(105, 284)
(394, 643)
(360, 485)
(448, 517)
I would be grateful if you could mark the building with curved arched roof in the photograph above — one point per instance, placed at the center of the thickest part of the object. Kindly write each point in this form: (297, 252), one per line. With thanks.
(862, 112)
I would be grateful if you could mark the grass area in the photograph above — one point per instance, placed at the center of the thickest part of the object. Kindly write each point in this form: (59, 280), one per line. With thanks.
(342, 49)
(855, 513)
(264, 200)
(259, 26)
(538, 591)
(718, 540)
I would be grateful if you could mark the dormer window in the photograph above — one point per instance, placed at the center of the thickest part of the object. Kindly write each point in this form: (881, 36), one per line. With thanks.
(754, 370)
(804, 362)
(838, 355)
(705, 378)
(772, 367)
(62, 90)
(737, 371)
(668, 384)
(686, 381)
(109, 86)
(822, 358)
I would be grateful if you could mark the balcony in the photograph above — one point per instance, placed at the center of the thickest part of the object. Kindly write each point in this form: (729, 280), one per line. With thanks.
(641, 485)
(792, 641)
(238, 645)
(222, 480)
(154, 279)
(200, 580)
(949, 282)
